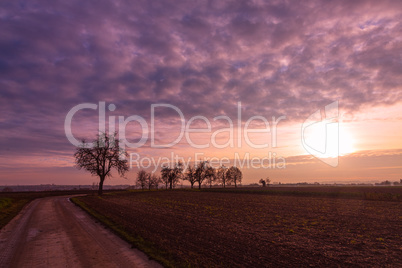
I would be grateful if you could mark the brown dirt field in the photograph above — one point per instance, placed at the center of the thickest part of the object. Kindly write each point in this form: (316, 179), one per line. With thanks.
(222, 229)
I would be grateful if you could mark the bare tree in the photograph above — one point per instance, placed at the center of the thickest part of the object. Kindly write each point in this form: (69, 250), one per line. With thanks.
(262, 181)
(268, 181)
(100, 158)
(165, 177)
(142, 178)
(201, 172)
(235, 175)
(178, 173)
(149, 181)
(155, 180)
(210, 175)
(172, 175)
(222, 175)
(146, 179)
(190, 175)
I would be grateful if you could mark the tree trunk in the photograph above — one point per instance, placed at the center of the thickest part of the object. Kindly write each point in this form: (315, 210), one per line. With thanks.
(100, 190)
(192, 183)
(199, 185)
(235, 184)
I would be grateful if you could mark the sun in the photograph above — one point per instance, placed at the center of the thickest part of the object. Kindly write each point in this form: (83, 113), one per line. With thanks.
(329, 140)
(346, 142)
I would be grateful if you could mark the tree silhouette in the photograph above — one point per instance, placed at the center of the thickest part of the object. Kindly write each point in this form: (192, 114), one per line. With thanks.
(268, 181)
(190, 175)
(100, 158)
(172, 175)
(210, 175)
(235, 175)
(154, 181)
(201, 172)
(165, 177)
(147, 179)
(221, 175)
(142, 178)
(265, 182)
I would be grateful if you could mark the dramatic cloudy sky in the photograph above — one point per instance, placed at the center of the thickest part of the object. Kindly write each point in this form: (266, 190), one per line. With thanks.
(278, 58)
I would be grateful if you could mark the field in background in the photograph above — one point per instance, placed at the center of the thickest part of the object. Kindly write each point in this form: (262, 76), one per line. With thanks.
(255, 227)
(379, 193)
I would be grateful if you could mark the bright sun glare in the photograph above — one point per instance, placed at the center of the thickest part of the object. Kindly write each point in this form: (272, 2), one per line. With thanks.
(324, 141)
(346, 142)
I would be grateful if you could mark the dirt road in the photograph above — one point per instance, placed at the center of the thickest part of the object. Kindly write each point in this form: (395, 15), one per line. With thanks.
(53, 232)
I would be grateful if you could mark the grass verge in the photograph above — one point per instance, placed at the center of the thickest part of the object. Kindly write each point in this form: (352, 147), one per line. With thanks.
(136, 241)
(9, 208)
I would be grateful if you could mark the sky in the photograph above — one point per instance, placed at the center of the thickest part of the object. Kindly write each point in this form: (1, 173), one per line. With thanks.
(277, 64)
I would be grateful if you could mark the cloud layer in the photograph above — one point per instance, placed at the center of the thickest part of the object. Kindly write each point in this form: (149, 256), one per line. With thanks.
(275, 57)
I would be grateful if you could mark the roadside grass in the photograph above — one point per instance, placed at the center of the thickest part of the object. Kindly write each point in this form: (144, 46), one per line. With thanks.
(150, 249)
(10, 207)
(5, 202)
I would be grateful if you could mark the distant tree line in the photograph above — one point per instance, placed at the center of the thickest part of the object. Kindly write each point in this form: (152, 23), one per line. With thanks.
(200, 173)
(265, 182)
(7, 190)
(389, 183)
(104, 155)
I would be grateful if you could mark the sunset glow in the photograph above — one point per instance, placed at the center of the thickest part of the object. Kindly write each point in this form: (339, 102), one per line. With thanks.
(228, 69)
(200, 133)
(346, 142)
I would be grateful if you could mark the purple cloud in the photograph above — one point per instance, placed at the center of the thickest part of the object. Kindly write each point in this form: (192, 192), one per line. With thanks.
(201, 56)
